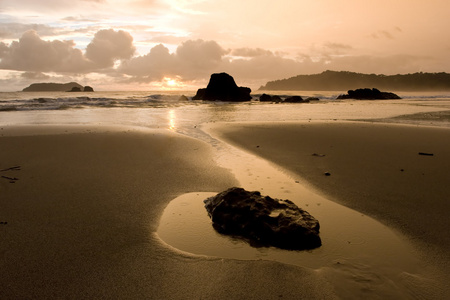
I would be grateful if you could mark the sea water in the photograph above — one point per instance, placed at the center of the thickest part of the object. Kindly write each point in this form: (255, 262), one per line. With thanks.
(164, 109)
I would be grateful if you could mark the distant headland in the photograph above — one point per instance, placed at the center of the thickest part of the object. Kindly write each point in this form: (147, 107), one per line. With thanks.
(343, 80)
(57, 87)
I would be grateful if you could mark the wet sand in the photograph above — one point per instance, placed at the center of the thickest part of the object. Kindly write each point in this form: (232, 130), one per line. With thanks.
(79, 208)
(375, 169)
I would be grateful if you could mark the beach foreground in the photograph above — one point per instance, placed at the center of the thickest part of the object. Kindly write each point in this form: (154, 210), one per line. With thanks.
(82, 216)
(397, 174)
(83, 212)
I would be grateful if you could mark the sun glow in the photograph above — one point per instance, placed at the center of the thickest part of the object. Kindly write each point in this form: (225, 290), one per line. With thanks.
(172, 83)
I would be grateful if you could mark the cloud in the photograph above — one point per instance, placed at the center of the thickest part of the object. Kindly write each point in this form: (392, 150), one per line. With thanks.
(3, 49)
(35, 75)
(108, 46)
(15, 30)
(154, 66)
(386, 34)
(250, 52)
(111, 54)
(31, 53)
(192, 59)
(200, 54)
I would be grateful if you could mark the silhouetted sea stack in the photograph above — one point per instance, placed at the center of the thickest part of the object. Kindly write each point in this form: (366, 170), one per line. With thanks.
(88, 89)
(262, 220)
(222, 87)
(368, 94)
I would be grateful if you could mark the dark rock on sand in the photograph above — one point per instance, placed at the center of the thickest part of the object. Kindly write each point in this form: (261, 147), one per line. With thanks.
(222, 87)
(262, 220)
(368, 94)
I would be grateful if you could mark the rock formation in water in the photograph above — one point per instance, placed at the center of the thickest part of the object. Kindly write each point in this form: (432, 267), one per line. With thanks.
(262, 220)
(269, 98)
(295, 99)
(222, 87)
(88, 89)
(368, 94)
(52, 87)
(265, 98)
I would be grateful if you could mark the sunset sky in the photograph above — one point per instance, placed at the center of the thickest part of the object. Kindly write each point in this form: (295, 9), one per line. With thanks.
(177, 44)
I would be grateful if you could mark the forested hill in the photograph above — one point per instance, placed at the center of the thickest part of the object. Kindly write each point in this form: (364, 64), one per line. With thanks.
(343, 81)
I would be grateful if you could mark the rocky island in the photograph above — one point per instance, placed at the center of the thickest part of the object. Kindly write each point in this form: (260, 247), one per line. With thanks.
(262, 220)
(222, 87)
(57, 87)
(344, 80)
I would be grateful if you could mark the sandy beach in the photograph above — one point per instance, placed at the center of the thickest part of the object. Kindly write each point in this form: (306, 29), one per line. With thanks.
(79, 211)
(80, 206)
(397, 174)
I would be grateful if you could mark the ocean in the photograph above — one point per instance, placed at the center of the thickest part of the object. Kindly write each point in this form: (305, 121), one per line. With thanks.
(165, 109)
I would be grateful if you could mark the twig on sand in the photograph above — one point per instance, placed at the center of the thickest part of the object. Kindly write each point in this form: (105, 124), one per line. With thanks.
(10, 178)
(426, 154)
(16, 168)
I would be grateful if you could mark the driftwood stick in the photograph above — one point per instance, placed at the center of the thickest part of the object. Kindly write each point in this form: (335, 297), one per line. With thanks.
(10, 178)
(426, 154)
(16, 168)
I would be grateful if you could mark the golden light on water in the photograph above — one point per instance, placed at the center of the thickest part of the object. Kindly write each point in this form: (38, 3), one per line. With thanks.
(172, 118)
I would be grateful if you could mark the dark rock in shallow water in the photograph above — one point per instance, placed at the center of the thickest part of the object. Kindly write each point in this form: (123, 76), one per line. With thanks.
(263, 221)
(368, 94)
(269, 98)
(276, 98)
(295, 99)
(265, 98)
(222, 87)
